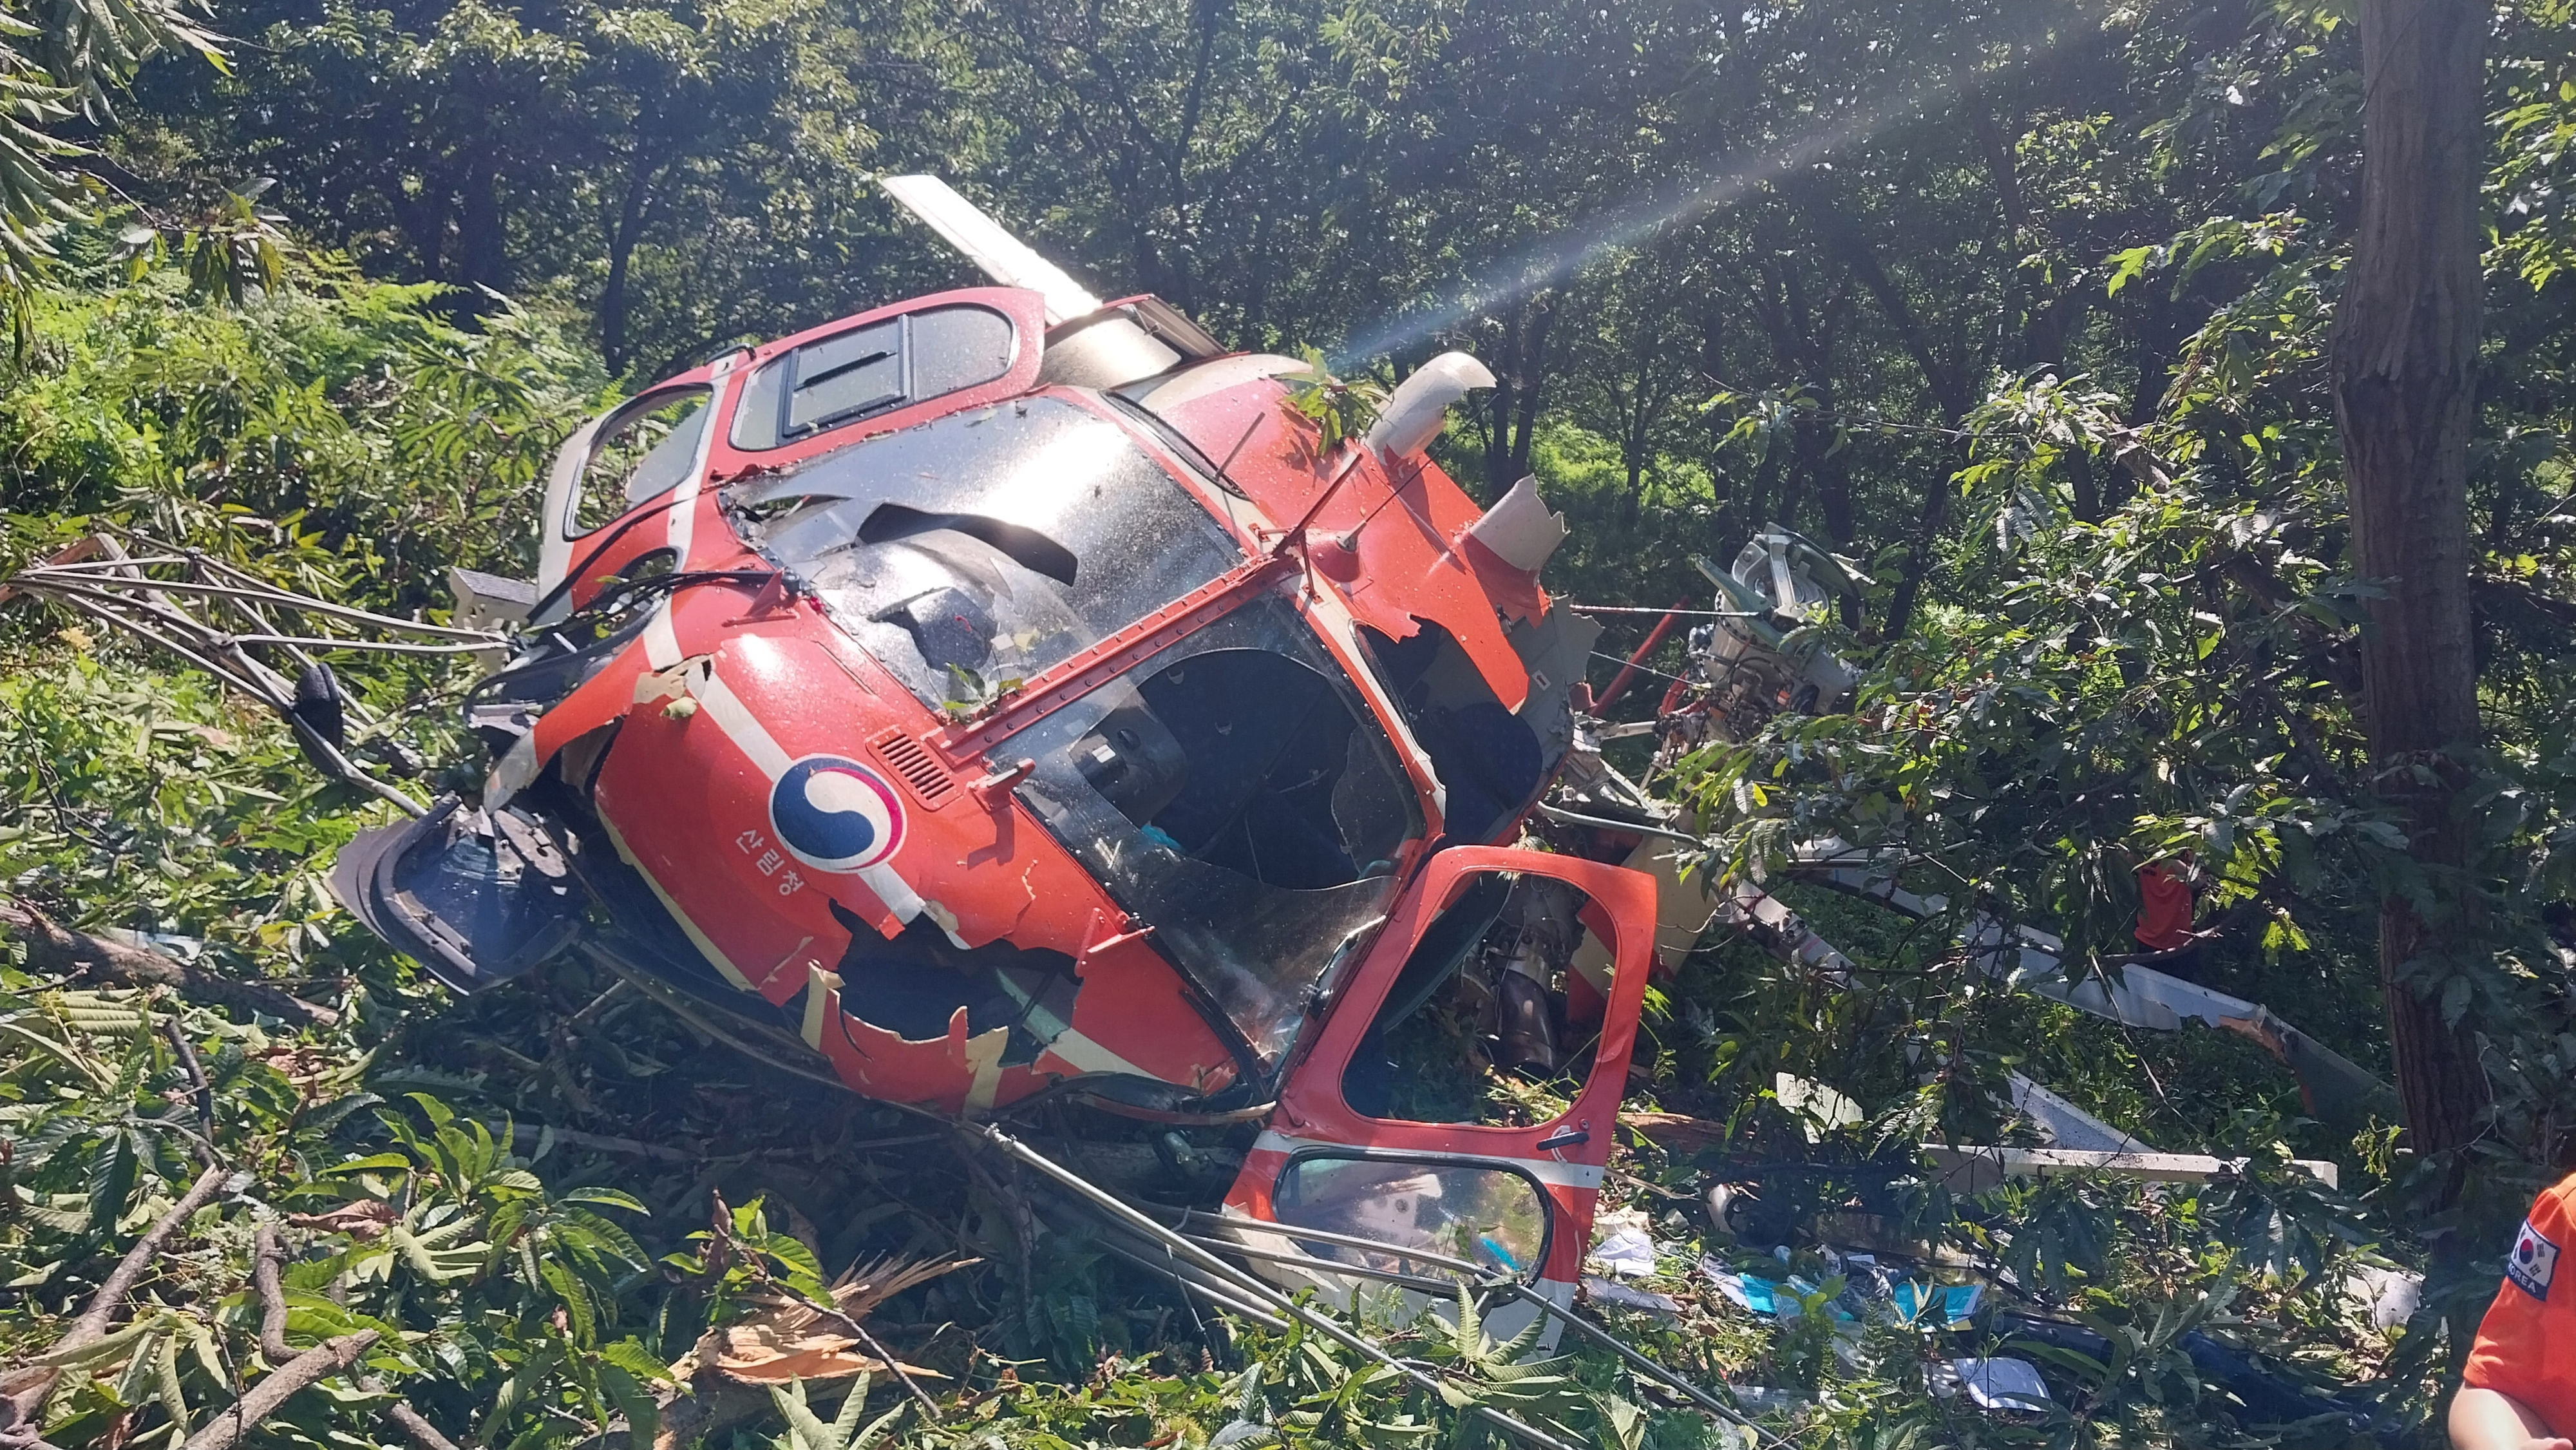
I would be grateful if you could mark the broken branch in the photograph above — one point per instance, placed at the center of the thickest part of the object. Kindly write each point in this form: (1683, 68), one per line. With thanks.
(200, 1091)
(266, 1258)
(57, 950)
(23, 1391)
(92, 1325)
(416, 1425)
(270, 1395)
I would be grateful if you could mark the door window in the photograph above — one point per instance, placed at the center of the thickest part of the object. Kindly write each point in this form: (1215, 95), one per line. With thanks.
(1490, 1021)
(643, 451)
(1487, 1215)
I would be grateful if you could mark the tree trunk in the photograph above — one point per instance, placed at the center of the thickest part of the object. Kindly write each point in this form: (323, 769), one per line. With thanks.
(482, 246)
(2405, 364)
(1532, 370)
(1948, 376)
(1518, 373)
(622, 239)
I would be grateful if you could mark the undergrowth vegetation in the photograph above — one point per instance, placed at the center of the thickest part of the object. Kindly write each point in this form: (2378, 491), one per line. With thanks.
(550, 1209)
(2038, 333)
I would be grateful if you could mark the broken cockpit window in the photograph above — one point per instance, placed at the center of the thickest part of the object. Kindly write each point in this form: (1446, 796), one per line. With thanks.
(1486, 1215)
(1238, 799)
(977, 549)
(1495, 1015)
(641, 452)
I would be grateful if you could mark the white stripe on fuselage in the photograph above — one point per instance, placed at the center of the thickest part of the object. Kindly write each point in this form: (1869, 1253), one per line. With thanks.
(680, 520)
(753, 739)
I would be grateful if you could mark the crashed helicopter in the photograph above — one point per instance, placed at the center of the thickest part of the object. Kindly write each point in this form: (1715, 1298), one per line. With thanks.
(1005, 693)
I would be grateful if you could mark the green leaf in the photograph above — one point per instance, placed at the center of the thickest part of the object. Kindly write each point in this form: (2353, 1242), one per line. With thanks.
(165, 1376)
(575, 1300)
(113, 1170)
(643, 1416)
(372, 1163)
(606, 1198)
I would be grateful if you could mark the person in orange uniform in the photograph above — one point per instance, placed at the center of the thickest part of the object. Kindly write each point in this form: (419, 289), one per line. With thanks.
(2520, 1388)
(2165, 905)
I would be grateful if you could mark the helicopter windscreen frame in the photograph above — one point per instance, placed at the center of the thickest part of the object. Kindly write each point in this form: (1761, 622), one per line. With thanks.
(1235, 792)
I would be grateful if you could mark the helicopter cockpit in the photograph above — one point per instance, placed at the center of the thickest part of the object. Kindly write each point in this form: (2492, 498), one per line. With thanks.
(1235, 791)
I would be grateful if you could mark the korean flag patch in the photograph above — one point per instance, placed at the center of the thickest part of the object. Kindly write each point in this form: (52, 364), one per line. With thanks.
(2533, 1262)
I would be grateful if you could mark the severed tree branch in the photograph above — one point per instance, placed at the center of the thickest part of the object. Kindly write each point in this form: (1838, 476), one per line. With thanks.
(266, 1259)
(57, 950)
(92, 1325)
(414, 1424)
(270, 1395)
(200, 1091)
(23, 1390)
(266, 1256)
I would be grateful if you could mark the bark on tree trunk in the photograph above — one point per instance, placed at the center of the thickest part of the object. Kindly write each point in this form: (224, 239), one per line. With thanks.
(1519, 369)
(2405, 363)
(622, 240)
(482, 246)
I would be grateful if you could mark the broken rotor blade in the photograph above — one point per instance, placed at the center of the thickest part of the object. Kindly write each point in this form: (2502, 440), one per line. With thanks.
(2333, 1087)
(1005, 258)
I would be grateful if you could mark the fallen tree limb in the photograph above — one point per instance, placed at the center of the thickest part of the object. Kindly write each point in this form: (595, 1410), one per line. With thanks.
(270, 1395)
(415, 1425)
(57, 950)
(23, 1390)
(266, 1256)
(266, 1259)
(92, 1325)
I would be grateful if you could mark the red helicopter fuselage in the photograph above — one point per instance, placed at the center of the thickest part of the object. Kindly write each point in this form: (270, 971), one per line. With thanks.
(1007, 708)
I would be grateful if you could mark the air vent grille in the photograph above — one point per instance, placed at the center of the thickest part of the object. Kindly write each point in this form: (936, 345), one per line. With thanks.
(909, 759)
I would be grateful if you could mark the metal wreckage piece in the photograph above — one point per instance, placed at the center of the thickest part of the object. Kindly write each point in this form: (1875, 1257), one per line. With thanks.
(1755, 660)
(1005, 696)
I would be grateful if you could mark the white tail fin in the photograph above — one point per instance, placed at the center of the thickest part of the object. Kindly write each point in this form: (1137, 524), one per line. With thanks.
(1004, 258)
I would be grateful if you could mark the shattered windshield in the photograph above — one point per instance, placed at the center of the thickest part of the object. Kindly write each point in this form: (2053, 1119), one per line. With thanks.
(1238, 798)
(970, 552)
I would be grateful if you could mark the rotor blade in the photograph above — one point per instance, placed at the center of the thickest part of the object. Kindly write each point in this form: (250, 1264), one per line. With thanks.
(2335, 1088)
(1004, 258)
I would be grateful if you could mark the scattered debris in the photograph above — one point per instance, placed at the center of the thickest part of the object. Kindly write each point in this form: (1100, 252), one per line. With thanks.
(1611, 1294)
(1993, 1384)
(1621, 1246)
(1949, 1306)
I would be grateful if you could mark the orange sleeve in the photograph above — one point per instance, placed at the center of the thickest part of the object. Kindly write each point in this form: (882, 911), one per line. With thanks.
(2524, 1346)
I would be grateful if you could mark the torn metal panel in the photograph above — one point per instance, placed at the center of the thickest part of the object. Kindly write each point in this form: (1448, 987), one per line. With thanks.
(2066, 1125)
(2334, 1087)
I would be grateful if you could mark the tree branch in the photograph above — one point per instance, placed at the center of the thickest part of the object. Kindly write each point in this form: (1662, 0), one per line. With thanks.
(265, 1261)
(24, 1390)
(57, 950)
(265, 1258)
(92, 1325)
(270, 1395)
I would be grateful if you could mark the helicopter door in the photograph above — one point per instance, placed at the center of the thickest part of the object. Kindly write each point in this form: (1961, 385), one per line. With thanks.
(1461, 1096)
